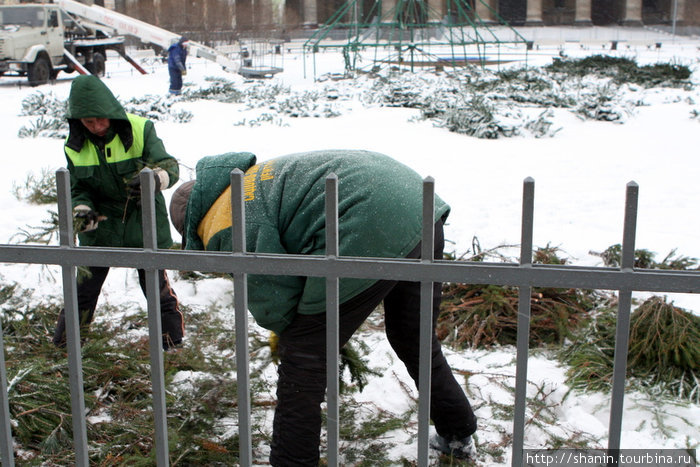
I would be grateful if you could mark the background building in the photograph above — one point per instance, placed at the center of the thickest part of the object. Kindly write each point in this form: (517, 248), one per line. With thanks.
(289, 15)
(209, 20)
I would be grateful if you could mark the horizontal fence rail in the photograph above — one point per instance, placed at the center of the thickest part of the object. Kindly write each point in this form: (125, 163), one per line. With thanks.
(332, 267)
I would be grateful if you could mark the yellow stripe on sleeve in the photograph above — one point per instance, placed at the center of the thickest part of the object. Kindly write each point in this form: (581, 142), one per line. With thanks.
(217, 218)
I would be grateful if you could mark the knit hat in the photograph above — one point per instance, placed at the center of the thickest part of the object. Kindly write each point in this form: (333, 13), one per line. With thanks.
(178, 206)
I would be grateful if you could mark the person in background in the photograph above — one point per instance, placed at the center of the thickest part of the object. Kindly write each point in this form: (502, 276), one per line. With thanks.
(106, 149)
(177, 61)
(380, 215)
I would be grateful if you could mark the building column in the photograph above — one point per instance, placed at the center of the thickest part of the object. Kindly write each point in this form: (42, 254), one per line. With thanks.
(633, 13)
(680, 11)
(534, 13)
(277, 13)
(435, 10)
(583, 13)
(484, 10)
(388, 6)
(310, 14)
(157, 7)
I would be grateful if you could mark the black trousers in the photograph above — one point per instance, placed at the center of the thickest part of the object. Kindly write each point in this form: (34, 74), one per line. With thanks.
(302, 372)
(88, 291)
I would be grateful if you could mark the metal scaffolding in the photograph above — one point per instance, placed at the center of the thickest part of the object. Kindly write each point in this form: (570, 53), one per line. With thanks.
(412, 34)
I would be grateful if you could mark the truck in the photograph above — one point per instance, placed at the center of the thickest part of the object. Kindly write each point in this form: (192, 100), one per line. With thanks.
(40, 40)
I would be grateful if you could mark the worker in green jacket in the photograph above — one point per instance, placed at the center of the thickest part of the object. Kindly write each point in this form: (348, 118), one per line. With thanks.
(106, 148)
(380, 211)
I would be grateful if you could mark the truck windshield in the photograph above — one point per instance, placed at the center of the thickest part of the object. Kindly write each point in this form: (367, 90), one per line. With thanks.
(22, 16)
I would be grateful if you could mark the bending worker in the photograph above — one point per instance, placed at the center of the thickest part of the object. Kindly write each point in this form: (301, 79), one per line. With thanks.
(380, 210)
(105, 149)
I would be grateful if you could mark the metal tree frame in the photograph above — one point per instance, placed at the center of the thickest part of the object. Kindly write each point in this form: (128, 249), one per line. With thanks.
(414, 34)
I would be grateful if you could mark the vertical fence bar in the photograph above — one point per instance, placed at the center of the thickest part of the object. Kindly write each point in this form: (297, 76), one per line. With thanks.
(426, 323)
(240, 297)
(622, 330)
(70, 303)
(155, 330)
(332, 321)
(523, 339)
(7, 455)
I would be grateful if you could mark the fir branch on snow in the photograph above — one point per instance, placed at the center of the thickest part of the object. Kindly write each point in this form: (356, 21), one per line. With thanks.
(645, 259)
(201, 389)
(664, 351)
(45, 233)
(261, 119)
(603, 103)
(156, 108)
(45, 127)
(52, 121)
(52, 116)
(477, 315)
(37, 189)
(624, 70)
(43, 104)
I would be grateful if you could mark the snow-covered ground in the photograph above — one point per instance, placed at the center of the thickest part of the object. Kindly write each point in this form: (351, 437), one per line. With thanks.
(580, 175)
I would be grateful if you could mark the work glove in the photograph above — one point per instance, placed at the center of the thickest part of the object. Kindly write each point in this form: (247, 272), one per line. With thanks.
(133, 187)
(184, 72)
(273, 341)
(85, 219)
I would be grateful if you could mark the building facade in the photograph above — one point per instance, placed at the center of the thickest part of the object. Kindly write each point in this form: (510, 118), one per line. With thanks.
(307, 13)
(211, 16)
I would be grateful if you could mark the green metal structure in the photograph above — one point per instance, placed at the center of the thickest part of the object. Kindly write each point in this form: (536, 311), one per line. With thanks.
(411, 33)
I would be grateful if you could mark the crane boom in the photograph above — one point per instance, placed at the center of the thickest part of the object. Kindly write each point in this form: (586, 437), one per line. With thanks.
(147, 33)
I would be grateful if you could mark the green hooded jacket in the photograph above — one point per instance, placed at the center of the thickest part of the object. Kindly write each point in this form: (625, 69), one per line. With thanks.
(379, 211)
(100, 168)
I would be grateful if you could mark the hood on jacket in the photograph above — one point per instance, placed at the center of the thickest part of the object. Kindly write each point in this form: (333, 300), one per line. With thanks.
(91, 98)
(213, 176)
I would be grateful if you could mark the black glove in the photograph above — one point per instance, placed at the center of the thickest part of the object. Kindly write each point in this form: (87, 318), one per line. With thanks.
(133, 188)
(85, 219)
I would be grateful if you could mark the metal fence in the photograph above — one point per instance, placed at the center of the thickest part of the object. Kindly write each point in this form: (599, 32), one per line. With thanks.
(523, 275)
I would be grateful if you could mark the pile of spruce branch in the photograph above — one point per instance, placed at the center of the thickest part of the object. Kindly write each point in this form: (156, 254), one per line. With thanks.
(118, 398)
(51, 113)
(591, 87)
(201, 400)
(473, 101)
(623, 70)
(664, 350)
(279, 100)
(477, 315)
(664, 347)
(156, 107)
(646, 259)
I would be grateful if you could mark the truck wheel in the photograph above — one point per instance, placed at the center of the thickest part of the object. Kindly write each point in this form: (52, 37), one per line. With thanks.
(39, 72)
(97, 65)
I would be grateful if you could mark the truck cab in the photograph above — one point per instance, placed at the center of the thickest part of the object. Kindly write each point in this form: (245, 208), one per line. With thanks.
(31, 40)
(40, 40)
